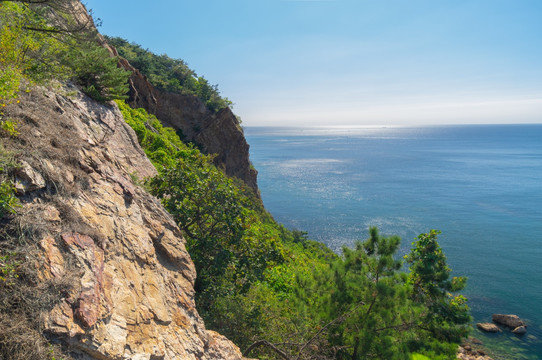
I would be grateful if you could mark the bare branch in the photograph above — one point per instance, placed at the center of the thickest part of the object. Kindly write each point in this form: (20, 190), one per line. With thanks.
(281, 353)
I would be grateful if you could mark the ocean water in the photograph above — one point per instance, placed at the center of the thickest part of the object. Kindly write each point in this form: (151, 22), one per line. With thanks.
(480, 185)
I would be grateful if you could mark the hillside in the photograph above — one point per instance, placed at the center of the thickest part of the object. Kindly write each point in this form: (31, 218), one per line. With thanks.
(131, 224)
(208, 123)
(113, 265)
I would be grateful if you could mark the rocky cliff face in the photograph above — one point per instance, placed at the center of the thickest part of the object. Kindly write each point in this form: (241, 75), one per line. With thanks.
(131, 280)
(215, 133)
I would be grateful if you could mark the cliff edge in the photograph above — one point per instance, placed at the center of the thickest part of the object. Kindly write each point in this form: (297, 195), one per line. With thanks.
(214, 133)
(128, 279)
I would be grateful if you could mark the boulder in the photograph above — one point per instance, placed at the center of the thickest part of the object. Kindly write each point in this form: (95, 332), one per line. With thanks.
(520, 330)
(488, 327)
(27, 179)
(512, 321)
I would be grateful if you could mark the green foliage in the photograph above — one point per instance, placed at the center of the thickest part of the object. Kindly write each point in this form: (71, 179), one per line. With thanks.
(8, 270)
(29, 49)
(98, 73)
(12, 45)
(172, 75)
(432, 286)
(8, 201)
(419, 357)
(258, 280)
(229, 244)
(368, 290)
(40, 41)
(9, 128)
(161, 145)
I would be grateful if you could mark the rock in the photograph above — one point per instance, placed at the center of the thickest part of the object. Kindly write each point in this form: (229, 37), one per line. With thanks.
(512, 321)
(464, 354)
(50, 213)
(54, 260)
(520, 330)
(488, 327)
(131, 293)
(215, 133)
(27, 179)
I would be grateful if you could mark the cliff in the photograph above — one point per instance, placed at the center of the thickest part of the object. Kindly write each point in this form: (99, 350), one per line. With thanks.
(214, 133)
(127, 279)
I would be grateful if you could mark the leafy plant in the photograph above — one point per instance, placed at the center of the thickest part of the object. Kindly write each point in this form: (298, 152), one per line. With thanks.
(98, 73)
(43, 40)
(9, 128)
(8, 200)
(8, 269)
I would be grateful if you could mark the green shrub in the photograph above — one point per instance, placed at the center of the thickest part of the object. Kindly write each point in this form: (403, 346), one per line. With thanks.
(8, 270)
(259, 281)
(9, 128)
(8, 201)
(98, 73)
(171, 75)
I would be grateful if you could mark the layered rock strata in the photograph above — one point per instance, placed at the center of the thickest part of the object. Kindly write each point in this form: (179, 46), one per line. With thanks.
(131, 280)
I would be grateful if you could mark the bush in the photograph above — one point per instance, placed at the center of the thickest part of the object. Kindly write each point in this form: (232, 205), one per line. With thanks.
(98, 73)
(9, 128)
(8, 201)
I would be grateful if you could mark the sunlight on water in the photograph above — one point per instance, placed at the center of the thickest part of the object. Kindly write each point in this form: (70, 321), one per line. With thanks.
(480, 185)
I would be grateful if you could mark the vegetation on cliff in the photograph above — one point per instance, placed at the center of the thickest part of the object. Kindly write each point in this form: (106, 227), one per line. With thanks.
(277, 294)
(172, 75)
(44, 40)
(273, 291)
(41, 42)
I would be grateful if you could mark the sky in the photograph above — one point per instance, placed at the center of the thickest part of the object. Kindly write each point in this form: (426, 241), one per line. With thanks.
(350, 62)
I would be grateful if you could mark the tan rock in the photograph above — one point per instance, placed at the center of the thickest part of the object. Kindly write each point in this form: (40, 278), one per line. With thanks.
(512, 321)
(132, 295)
(51, 214)
(54, 261)
(28, 179)
(60, 321)
(488, 327)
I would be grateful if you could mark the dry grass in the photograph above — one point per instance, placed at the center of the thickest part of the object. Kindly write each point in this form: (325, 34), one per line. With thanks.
(26, 298)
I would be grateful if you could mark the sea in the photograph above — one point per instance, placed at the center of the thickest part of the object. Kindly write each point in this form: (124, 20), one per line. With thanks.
(481, 185)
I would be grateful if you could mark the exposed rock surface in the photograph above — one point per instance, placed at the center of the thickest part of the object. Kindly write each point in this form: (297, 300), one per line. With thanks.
(215, 133)
(512, 321)
(520, 330)
(488, 327)
(471, 355)
(471, 350)
(132, 295)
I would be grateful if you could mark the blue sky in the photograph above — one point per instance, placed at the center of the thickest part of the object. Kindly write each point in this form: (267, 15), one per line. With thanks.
(351, 62)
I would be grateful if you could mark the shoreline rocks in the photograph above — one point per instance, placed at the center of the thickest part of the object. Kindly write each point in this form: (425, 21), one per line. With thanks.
(488, 327)
(512, 321)
(470, 350)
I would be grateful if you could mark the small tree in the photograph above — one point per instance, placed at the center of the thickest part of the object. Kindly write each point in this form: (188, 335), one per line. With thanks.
(430, 285)
(98, 73)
